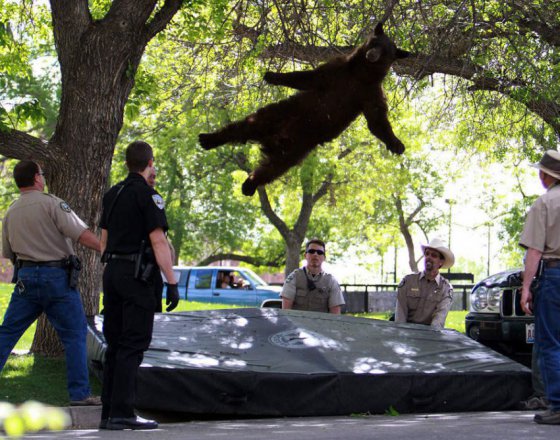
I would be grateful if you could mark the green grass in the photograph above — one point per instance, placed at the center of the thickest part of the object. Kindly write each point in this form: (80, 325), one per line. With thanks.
(34, 377)
(5, 295)
(455, 319)
(190, 306)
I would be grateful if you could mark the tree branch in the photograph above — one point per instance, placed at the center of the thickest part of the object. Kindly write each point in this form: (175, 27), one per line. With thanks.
(420, 66)
(322, 191)
(70, 20)
(163, 17)
(276, 221)
(19, 145)
(419, 207)
(307, 203)
(244, 258)
(535, 21)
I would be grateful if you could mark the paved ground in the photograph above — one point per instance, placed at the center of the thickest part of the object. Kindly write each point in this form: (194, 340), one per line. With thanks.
(512, 425)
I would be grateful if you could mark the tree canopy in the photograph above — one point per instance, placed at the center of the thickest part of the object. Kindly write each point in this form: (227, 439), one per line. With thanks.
(80, 79)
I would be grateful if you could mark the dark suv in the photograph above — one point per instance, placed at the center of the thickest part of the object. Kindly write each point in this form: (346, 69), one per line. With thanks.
(496, 319)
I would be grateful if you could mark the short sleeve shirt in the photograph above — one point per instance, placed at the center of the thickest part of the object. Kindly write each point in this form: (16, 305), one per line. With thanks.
(40, 227)
(323, 279)
(132, 215)
(542, 225)
(423, 301)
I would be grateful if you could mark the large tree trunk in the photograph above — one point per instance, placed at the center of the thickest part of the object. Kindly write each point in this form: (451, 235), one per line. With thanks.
(293, 237)
(293, 255)
(95, 91)
(98, 62)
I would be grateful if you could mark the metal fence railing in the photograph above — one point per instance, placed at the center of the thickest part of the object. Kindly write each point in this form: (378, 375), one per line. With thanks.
(382, 297)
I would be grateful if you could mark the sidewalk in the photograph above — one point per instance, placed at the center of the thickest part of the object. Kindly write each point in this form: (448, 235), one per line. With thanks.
(510, 425)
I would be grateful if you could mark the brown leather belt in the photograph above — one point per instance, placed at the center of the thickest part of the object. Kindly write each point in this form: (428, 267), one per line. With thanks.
(551, 262)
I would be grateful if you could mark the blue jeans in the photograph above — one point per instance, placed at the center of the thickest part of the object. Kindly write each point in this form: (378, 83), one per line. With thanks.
(547, 333)
(536, 377)
(45, 289)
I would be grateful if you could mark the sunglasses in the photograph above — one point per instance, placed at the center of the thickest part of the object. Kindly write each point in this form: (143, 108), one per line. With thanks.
(315, 251)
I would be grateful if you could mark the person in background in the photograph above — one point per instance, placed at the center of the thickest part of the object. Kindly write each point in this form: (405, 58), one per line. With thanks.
(310, 288)
(158, 280)
(226, 281)
(426, 297)
(37, 235)
(541, 239)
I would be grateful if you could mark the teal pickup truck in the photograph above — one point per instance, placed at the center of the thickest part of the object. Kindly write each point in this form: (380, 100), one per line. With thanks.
(226, 285)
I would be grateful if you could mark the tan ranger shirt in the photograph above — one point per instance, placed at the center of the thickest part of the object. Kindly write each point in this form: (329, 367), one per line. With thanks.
(326, 294)
(40, 227)
(422, 301)
(542, 225)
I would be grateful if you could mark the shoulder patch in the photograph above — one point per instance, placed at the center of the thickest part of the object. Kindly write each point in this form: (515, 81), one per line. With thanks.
(402, 283)
(291, 276)
(65, 207)
(158, 200)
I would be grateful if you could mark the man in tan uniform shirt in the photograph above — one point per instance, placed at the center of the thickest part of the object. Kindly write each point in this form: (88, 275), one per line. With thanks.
(39, 230)
(426, 297)
(541, 238)
(310, 288)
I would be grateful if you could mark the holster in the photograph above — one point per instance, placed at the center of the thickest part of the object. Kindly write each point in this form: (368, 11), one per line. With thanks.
(534, 288)
(145, 263)
(74, 269)
(16, 270)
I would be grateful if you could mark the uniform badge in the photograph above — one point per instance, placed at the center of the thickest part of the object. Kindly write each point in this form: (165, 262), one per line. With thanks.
(290, 277)
(65, 207)
(158, 200)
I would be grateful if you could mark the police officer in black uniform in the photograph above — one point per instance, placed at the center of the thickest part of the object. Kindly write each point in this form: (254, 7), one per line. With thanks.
(135, 248)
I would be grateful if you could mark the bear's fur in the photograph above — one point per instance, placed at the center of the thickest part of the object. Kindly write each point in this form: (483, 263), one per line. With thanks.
(330, 97)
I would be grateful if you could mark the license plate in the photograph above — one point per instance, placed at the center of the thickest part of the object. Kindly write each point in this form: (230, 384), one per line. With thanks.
(530, 333)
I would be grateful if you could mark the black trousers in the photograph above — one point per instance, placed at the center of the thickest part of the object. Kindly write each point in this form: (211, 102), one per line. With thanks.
(128, 322)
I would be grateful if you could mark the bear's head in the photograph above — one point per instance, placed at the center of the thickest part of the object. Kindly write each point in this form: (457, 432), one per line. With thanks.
(379, 51)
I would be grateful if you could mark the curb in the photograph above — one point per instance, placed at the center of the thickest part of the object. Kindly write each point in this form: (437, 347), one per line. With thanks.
(83, 417)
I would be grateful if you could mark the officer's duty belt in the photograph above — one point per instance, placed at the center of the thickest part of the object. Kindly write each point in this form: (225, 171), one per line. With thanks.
(58, 263)
(126, 257)
(551, 262)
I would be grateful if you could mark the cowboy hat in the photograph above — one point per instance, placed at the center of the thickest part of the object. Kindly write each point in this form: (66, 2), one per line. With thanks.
(549, 163)
(438, 245)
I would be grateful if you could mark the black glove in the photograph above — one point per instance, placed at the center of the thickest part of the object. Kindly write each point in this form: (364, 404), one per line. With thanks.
(171, 296)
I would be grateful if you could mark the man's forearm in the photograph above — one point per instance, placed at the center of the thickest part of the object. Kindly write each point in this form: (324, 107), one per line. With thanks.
(103, 240)
(162, 252)
(287, 303)
(90, 240)
(532, 260)
(401, 308)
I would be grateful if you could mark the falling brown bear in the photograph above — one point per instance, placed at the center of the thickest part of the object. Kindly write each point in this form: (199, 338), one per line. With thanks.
(330, 97)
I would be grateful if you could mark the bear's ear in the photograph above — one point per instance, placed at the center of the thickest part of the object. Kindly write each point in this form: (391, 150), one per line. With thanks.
(402, 53)
(378, 29)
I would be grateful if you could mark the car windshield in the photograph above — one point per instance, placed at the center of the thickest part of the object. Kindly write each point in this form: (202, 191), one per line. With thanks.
(255, 279)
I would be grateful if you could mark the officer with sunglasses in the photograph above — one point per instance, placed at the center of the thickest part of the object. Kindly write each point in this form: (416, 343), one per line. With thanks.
(310, 288)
